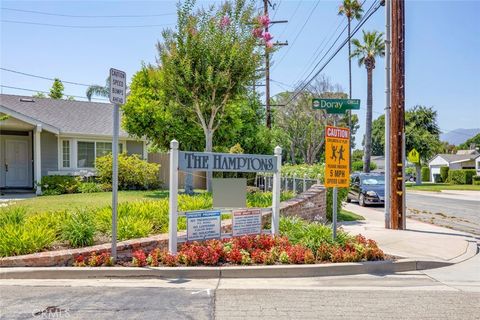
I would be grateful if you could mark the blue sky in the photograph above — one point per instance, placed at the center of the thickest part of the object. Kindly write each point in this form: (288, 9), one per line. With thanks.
(442, 44)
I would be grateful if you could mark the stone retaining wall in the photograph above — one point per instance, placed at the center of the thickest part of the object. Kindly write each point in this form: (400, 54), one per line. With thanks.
(310, 205)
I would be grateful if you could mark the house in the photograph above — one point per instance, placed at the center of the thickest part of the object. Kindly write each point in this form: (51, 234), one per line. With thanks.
(42, 136)
(463, 159)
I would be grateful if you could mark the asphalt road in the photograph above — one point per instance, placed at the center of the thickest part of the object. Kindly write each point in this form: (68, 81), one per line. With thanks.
(457, 214)
(447, 293)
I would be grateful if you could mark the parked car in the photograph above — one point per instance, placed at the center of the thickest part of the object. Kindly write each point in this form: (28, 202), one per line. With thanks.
(367, 188)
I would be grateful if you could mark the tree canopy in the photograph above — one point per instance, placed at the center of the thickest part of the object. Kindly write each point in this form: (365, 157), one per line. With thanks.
(473, 141)
(56, 92)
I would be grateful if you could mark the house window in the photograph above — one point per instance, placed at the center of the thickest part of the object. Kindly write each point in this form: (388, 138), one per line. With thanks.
(88, 151)
(86, 154)
(66, 153)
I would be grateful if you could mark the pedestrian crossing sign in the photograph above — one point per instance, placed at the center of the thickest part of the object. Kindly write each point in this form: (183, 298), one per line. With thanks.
(414, 156)
(337, 147)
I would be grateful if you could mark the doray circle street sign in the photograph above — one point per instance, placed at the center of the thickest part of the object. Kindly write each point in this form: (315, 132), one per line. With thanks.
(336, 106)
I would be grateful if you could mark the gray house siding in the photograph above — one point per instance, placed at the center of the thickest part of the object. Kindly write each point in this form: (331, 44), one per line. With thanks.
(135, 147)
(49, 150)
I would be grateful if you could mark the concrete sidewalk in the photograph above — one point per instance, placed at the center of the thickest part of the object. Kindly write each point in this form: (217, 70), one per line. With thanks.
(419, 241)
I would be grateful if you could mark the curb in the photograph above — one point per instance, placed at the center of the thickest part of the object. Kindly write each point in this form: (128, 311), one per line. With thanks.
(276, 271)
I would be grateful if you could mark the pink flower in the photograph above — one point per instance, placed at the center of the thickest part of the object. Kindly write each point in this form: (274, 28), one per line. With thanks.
(264, 20)
(257, 32)
(269, 44)
(267, 36)
(224, 22)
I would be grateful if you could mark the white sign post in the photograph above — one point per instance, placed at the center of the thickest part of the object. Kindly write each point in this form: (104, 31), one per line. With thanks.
(118, 88)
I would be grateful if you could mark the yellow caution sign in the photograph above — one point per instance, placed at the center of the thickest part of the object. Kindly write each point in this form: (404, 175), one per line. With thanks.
(413, 156)
(337, 146)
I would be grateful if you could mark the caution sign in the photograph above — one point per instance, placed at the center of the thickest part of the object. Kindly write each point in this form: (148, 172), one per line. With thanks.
(337, 146)
(413, 156)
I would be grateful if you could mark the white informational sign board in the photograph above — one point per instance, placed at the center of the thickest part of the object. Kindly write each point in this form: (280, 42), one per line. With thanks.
(203, 225)
(247, 222)
(118, 86)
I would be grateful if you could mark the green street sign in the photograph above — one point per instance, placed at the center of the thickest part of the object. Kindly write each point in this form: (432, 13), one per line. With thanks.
(336, 105)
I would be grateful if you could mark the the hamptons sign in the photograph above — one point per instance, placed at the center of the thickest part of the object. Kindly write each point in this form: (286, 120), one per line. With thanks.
(210, 161)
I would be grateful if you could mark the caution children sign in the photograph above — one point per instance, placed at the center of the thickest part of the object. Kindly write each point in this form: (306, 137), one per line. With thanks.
(337, 146)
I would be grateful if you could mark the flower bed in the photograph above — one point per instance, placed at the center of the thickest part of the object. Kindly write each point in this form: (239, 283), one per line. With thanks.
(248, 250)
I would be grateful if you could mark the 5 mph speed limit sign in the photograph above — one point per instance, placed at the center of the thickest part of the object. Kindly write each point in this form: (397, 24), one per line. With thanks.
(337, 146)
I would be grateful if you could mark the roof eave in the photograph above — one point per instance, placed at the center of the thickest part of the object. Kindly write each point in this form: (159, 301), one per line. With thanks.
(29, 120)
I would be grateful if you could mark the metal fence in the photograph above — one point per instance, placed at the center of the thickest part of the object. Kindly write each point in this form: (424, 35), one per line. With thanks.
(288, 183)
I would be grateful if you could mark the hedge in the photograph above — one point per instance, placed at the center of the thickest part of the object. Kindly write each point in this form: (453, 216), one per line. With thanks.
(358, 166)
(476, 180)
(461, 176)
(444, 173)
(425, 174)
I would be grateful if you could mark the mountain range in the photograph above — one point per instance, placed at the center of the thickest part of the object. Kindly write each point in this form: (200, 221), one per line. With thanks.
(459, 136)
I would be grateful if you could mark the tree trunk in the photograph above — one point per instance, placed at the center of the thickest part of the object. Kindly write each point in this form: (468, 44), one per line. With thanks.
(368, 126)
(418, 167)
(208, 148)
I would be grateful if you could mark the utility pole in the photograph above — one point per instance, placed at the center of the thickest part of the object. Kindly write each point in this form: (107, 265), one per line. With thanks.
(267, 72)
(397, 129)
(388, 15)
(268, 111)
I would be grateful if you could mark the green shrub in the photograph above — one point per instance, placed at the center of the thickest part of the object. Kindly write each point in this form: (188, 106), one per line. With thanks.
(358, 166)
(444, 173)
(55, 185)
(425, 174)
(309, 234)
(133, 172)
(130, 227)
(12, 215)
(79, 229)
(461, 176)
(264, 199)
(18, 239)
(90, 187)
(476, 180)
(341, 197)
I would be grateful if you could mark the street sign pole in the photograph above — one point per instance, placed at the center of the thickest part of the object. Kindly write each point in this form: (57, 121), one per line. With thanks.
(116, 124)
(335, 197)
(118, 88)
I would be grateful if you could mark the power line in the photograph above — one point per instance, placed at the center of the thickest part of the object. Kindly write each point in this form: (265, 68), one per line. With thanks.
(293, 15)
(89, 16)
(359, 25)
(298, 34)
(46, 92)
(42, 77)
(83, 26)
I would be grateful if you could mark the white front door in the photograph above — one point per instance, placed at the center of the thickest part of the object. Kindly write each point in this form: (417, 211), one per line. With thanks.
(17, 163)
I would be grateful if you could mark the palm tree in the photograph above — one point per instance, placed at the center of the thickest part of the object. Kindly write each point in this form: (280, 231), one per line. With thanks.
(352, 9)
(96, 90)
(373, 46)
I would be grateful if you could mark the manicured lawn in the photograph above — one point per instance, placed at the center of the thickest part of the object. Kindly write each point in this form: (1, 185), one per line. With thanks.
(86, 200)
(437, 187)
(346, 215)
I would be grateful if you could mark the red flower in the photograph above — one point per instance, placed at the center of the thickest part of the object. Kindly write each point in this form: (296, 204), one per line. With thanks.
(257, 32)
(170, 260)
(139, 258)
(259, 256)
(264, 20)
(267, 36)
(224, 22)
(234, 256)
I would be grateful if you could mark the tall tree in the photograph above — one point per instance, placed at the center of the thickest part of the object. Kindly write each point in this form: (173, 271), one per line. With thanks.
(208, 61)
(351, 9)
(97, 90)
(373, 46)
(472, 142)
(56, 92)
(421, 133)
